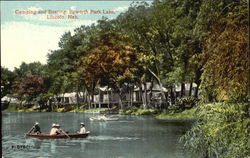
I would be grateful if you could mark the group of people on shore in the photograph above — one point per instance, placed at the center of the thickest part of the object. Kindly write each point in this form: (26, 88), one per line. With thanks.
(55, 129)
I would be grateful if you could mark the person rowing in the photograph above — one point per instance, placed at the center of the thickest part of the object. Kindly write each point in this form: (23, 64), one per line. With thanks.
(36, 128)
(55, 129)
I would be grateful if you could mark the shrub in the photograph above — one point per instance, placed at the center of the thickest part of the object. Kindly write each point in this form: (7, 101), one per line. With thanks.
(138, 111)
(146, 112)
(222, 131)
(183, 103)
(12, 107)
(128, 110)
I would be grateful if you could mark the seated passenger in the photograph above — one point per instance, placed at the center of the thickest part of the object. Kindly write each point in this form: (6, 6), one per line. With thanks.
(103, 117)
(82, 128)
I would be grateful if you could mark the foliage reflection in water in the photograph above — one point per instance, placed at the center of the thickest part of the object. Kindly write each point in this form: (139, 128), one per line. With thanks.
(129, 137)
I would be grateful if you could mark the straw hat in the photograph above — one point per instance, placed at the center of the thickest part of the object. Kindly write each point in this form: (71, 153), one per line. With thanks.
(57, 125)
(81, 123)
(53, 125)
(36, 123)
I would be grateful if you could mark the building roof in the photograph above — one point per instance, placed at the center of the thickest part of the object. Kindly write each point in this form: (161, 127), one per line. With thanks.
(72, 94)
(156, 87)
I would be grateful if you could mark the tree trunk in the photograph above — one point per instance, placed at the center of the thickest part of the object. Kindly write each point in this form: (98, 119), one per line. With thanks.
(172, 96)
(85, 97)
(145, 96)
(132, 94)
(129, 94)
(182, 89)
(198, 73)
(63, 101)
(77, 97)
(99, 98)
(108, 98)
(80, 96)
(160, 85)
(120, 98)
(112, 97)
(120, 101)
(21, 104)
(196, 90)
(190, 89)
(151, 94)
(140, 93)
(77, 100)
(89, 100)
(92, 94)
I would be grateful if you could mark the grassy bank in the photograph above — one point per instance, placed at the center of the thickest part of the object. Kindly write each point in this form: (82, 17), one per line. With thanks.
(187, 114)
(15, 107)
(138, 111)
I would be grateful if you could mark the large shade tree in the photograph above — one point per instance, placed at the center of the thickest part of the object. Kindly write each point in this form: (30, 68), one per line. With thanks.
(112, 62)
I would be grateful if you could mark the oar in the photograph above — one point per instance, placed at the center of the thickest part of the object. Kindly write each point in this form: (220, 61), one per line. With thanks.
(65, 133)
(31, 129)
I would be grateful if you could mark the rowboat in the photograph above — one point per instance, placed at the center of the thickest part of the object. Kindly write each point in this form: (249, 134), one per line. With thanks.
(102, 119)
(59, 136)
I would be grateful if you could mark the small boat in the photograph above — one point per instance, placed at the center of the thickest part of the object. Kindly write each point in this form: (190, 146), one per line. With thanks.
(59, 136)
(102, 119)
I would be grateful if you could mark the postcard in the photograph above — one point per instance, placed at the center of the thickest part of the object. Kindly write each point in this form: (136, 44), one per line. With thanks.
(124, 79)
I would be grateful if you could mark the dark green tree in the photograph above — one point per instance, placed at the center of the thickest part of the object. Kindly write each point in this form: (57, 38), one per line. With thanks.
(7, 80)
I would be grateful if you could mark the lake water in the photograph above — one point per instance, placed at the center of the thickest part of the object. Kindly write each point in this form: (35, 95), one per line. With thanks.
(129, 137)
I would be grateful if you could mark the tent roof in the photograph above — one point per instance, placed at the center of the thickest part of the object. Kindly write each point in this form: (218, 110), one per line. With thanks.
(156, 87)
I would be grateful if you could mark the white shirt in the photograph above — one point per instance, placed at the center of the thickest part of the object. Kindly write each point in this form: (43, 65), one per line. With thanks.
(82, 130)
(54, 131)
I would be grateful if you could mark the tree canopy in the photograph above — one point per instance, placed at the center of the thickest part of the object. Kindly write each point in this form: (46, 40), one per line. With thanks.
(169, 42)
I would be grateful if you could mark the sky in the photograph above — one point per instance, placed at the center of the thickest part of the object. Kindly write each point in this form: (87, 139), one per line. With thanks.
(30, 29)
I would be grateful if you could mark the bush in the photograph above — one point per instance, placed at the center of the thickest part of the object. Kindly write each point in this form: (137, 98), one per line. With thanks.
(221, 132)
(183, 103)
(12, 107)
(128, 110)
(65, 108)
(137, 111)
(146, 112)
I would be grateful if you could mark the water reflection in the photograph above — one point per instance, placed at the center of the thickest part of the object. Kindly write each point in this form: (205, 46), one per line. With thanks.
(37, 144)
(129, 137)
(52, 146)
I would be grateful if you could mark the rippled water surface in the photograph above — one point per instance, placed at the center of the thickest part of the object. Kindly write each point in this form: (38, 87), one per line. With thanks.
(129, 137)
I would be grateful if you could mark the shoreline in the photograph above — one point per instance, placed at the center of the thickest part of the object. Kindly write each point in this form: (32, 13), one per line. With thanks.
(187, 115)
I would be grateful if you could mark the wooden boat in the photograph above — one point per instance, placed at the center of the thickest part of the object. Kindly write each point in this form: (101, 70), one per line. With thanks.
(59, 136)
(102, 119)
